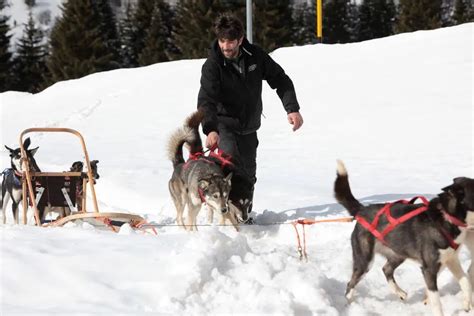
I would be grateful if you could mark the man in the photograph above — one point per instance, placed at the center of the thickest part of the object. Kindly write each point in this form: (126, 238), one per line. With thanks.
(230, 97)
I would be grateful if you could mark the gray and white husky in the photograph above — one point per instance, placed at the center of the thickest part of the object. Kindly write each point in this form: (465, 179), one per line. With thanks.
(11, 180)
(199, 180)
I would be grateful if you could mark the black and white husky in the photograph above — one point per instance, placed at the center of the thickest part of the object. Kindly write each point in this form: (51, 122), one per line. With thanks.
(11, 181)
(198, 181)
(430, 238)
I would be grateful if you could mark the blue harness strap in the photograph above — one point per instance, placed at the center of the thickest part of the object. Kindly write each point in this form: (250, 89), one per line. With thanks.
(10, 172)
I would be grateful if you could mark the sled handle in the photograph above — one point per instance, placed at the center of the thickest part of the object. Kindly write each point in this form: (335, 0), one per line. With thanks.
(27, 167)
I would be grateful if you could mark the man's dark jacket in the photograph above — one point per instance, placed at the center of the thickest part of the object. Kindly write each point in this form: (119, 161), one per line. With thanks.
(231, 98)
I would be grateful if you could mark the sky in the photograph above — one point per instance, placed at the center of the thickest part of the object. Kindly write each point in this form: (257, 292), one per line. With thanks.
(398, 111)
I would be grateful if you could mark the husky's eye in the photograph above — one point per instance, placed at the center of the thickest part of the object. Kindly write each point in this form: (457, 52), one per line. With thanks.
(216, 195)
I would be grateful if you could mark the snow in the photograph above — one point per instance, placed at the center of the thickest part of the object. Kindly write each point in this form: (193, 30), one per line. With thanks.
(398, 111)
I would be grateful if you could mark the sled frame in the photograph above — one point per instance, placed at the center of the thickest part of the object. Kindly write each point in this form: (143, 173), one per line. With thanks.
(28, 175)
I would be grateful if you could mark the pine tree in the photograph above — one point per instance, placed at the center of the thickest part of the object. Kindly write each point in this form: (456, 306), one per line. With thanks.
(5, 54)
(168, 17)
(128, 32)
(142, 19)
(30, 3)
(304, 23)
(146, 32)
(158, 45)
(108, 29)
(273, 24)
(463, 12)
(155, 45)
(30, 61)
(78, 47)
(194, 26)
(419, 15)
(376, 18)
(337, 23)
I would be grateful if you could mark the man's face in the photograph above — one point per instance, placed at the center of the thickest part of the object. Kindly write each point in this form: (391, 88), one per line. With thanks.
(230, 48)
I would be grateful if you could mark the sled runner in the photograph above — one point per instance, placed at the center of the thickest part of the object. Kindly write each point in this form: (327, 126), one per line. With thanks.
(66, 192)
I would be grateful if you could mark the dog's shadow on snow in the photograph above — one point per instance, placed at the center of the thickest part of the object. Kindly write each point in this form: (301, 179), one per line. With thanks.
(272, 219)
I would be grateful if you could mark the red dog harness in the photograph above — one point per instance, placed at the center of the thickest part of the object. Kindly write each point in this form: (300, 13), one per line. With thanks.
(222, 158)
(393, 222)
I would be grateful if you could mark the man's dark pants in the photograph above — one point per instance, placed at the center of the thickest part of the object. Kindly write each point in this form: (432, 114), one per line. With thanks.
(243, 150)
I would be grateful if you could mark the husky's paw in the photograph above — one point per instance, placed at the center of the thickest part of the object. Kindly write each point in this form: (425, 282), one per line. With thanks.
(397, 290)
(402, 295)
(467, 305)
(350, 296)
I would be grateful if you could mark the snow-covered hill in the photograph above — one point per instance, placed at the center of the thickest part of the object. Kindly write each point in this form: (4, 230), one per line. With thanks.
(397, 110)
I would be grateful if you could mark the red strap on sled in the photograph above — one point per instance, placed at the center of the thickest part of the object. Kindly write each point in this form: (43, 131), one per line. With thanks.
(393, 222)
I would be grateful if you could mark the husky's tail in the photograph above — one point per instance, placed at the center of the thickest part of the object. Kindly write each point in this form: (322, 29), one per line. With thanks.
(342, 190)
(189, 135)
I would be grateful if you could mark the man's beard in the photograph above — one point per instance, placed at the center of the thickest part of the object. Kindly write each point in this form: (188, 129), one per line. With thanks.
(230, 53)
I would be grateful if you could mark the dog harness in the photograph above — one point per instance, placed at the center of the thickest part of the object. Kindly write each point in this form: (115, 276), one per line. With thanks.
(222, 158)
(16, 175)
(455, 221)
(394, 222)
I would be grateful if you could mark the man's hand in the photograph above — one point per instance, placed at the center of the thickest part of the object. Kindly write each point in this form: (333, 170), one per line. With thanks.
(295, 119)
(212, 140)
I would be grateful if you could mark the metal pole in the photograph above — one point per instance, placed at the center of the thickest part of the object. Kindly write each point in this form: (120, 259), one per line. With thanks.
(249, 21)
(319, 21)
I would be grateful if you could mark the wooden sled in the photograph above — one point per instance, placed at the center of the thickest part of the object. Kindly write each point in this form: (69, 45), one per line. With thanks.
(58, 189)
(110, 220)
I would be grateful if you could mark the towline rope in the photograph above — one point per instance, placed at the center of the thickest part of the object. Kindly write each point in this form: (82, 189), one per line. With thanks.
(292, 222)
(303, 222)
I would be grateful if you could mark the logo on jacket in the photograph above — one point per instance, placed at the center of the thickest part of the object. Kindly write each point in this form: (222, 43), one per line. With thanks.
(252, 67)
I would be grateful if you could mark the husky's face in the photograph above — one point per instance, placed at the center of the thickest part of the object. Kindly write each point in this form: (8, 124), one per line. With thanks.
(95, 173)
(15, 157)
(216, 192)
(460, 198)
(78, 166)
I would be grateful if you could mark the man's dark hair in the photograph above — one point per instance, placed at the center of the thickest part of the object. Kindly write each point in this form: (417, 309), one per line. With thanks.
(228, 27)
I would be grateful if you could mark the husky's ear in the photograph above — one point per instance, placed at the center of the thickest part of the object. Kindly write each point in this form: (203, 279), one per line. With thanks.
(460, 180)
(26, 143)
(94, 162)
(8, 148)
(455, 190)
(227, 179)
(33, 151)
(449, 188)
(203, 184)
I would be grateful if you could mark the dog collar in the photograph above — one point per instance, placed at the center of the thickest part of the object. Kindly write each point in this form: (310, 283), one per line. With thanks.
(453, 220)
(201, 195)
(449, 238)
